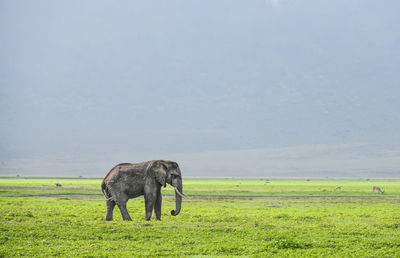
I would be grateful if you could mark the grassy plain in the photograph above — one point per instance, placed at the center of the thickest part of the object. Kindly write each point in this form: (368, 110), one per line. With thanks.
(288, 218)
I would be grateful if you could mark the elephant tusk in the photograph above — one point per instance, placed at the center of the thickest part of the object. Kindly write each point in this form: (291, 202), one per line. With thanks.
(179, 193)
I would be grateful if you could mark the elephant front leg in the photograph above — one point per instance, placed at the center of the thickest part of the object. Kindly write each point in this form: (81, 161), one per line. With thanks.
(110, 209)
(157, 207)
(149, 201)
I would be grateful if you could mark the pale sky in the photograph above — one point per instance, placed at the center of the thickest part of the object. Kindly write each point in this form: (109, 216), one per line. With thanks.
(102, 82)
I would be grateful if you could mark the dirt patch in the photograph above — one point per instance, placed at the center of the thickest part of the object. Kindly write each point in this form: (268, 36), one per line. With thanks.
(55, 195)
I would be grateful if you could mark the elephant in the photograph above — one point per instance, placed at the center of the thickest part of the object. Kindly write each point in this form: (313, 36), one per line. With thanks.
(127, 180)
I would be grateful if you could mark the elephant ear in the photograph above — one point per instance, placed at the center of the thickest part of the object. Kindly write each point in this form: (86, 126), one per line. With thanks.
(160, 173)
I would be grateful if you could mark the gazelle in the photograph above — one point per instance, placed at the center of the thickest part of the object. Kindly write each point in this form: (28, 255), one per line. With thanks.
(377, 189)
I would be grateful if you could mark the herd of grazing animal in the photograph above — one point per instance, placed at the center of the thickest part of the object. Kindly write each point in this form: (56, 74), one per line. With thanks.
(338, 188)
(374, 188)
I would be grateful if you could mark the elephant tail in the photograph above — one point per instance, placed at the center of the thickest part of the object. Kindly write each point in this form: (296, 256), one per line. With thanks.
(106, 192)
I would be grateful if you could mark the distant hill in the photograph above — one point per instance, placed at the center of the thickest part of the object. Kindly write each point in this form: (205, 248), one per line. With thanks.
(353, 161)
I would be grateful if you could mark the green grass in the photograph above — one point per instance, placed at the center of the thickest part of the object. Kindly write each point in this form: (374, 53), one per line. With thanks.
(294, 225)
(18, 187)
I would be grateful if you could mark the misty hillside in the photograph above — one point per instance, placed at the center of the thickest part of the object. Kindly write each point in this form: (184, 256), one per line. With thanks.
(355, 161)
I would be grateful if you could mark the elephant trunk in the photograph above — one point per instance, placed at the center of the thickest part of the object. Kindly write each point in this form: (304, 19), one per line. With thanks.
(178, 198)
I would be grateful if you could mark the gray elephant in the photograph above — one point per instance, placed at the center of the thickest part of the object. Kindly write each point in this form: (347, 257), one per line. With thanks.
(126, 181)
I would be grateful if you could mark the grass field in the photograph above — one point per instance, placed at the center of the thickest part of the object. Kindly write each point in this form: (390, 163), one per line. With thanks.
(277, 218)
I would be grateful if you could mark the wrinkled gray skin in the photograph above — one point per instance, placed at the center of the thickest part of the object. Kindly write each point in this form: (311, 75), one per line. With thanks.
(126, 181)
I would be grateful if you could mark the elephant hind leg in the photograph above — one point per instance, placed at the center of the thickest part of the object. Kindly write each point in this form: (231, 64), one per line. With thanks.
(124, 211)
(110, 209)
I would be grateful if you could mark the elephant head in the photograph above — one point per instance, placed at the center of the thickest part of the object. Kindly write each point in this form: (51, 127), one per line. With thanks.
(169, 172)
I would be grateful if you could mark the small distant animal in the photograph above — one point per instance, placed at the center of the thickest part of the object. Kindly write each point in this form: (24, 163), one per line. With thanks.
(338, 188)
(58, 185)
(375, 188)
(237, 185)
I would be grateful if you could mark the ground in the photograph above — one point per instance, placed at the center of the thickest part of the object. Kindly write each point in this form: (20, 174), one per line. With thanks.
(220, 217)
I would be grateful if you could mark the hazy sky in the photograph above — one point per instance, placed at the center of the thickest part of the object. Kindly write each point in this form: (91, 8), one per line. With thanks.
(119, 81)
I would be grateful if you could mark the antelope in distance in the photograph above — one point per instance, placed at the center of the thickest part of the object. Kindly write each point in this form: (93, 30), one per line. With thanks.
(377, 189)
(338, 188)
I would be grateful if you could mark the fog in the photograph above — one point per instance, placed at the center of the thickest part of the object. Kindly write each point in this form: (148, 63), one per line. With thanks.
(277, 88)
